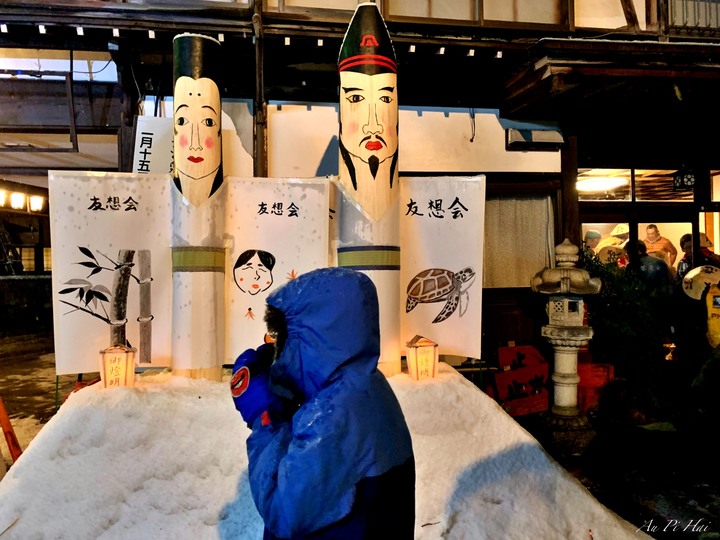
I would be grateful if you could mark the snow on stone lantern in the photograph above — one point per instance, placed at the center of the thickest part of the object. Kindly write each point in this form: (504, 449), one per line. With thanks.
(566, 330)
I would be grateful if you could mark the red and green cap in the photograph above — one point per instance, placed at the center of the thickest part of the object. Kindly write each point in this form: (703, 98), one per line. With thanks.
(367, 47)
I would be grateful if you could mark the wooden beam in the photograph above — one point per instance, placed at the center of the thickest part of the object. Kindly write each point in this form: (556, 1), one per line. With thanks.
(630, 15)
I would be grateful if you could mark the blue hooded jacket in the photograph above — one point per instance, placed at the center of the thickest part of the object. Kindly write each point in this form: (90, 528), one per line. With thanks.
(344, 464)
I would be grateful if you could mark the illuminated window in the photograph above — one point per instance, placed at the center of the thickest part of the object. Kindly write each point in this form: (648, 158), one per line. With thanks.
(47, 259)
(27, 257)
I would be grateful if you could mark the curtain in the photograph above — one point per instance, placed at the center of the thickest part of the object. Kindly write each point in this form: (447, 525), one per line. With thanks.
(519, 240)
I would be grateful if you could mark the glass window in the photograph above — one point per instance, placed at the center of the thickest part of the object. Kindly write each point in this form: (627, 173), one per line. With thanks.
(715, 185)
(649, 185)
(27, 257)
(606, 14)
(662, 240)
(527, 11)
(603, 185)
(662, 185)
(47, 259)
(463, 10)
(326, 4)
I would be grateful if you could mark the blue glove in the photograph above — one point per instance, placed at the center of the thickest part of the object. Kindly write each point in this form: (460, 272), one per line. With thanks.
(250, 386)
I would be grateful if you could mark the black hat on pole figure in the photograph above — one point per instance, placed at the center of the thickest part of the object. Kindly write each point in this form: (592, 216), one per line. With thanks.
(366, 47)
(196, 56)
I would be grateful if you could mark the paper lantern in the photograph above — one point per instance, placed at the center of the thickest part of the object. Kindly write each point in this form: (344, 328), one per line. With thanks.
(117, 367)
(422, 358)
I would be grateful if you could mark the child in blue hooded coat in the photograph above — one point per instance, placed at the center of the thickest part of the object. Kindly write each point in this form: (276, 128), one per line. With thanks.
(330, 454)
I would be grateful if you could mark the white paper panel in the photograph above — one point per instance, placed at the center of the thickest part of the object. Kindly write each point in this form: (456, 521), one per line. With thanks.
(441, 228)
(104, 213)
(287, 218)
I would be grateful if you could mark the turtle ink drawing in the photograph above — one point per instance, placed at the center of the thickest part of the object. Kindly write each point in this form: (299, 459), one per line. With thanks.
(438, 285)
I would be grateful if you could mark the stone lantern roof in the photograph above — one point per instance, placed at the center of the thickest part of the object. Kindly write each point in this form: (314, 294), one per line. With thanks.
(565, 278)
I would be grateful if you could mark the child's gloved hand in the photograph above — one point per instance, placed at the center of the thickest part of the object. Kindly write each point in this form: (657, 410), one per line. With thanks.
(250, 385)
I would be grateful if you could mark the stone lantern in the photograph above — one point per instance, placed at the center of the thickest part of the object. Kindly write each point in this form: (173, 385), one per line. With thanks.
(566, 330)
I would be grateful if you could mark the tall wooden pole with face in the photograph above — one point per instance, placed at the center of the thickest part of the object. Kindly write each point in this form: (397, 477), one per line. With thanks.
(199, 211)
(368, 229)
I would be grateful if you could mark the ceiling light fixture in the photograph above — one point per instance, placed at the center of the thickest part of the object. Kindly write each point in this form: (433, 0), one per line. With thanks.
(589, 185)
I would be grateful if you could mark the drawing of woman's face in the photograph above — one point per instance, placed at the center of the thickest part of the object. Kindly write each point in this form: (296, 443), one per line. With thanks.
(197, 146)
(253, 276)
(369, 115)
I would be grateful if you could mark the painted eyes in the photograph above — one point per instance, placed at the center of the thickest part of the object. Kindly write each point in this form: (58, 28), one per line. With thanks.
(357, 98)
(207, 122)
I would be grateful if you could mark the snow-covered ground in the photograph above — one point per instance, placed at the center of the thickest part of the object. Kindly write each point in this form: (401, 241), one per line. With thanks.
(167, 459)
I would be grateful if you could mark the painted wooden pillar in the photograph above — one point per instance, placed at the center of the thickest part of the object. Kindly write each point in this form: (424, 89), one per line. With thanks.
(198, 328)
(369, 238)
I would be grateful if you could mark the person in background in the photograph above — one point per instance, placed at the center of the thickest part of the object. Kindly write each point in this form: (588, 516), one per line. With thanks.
(618, 236)
(685, 263)
(654, 270)
(591, 240)
(657, 243)
(658, 290)
(330, 455)
(705, 258)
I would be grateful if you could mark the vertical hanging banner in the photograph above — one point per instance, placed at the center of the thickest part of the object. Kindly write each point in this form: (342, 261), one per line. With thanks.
(197, 114)
(441, 231)
(198, 206)
(153, 145)
(368, 113)
(278, 230)
(111, 276)
(368, 234)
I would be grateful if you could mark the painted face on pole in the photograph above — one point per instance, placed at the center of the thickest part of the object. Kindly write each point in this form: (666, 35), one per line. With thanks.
(368, 112)
(368, 107)
(197, 142)
(253, 271)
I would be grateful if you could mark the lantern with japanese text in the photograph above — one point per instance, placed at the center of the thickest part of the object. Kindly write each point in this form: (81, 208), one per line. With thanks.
(422, 358)
(117, 367)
